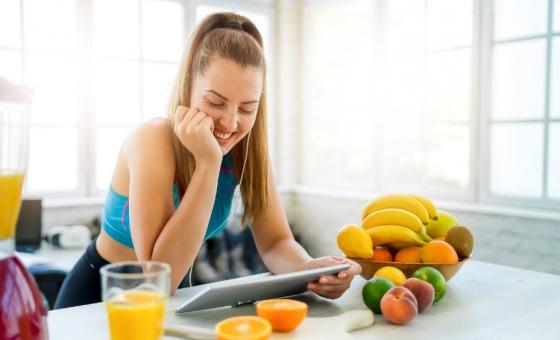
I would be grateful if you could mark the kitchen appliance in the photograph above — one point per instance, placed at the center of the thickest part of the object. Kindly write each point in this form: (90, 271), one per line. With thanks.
(22, 313)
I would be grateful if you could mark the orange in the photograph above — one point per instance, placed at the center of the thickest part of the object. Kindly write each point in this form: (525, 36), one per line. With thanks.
(243, 327)
(438, 252)
(283, 314)
(409, 255)
(391, 273)
(382, 254)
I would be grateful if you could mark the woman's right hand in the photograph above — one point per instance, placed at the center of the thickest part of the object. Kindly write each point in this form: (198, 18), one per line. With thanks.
(195, 130)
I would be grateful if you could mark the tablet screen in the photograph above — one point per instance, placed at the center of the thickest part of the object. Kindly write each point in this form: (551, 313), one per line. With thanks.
(255, 287)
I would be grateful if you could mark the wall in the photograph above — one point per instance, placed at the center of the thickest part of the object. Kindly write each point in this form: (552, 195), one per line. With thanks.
(519, 242)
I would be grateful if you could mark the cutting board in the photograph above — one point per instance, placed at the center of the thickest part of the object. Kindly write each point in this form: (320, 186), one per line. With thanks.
(334, 327)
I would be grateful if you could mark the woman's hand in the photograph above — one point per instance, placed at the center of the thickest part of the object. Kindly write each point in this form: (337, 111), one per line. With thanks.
(195, 130)
(332, 286)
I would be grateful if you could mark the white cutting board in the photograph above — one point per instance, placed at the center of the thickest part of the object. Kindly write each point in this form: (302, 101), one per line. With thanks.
(334, 327)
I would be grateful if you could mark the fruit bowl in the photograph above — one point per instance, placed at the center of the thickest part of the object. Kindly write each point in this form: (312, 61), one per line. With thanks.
(369, 267)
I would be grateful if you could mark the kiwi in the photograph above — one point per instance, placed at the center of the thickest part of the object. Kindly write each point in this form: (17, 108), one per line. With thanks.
(461, 239)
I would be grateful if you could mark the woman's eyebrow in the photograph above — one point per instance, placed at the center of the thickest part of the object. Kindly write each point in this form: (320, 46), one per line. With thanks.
(224, 98)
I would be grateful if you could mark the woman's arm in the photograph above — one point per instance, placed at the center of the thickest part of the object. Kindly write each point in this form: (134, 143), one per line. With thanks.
(281, 253)
(160, 232)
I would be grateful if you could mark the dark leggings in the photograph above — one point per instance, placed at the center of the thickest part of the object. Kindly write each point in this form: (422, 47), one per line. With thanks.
(83, 284)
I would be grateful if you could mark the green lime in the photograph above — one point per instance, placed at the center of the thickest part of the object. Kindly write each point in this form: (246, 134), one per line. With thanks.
(374, 290)
(433, 277)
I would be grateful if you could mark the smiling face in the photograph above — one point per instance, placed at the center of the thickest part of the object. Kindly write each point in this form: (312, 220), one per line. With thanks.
(229, 94)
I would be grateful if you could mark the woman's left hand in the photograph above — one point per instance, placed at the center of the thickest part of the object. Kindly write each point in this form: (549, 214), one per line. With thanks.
(332, 286)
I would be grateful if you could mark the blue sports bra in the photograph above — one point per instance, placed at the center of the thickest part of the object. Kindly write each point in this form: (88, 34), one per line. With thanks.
(116, 222)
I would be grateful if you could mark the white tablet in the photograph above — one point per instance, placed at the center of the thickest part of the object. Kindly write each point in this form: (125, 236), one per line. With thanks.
(252, 288)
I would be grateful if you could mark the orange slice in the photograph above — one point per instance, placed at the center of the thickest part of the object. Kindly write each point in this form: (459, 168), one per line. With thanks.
(243, 327)
(284, 314)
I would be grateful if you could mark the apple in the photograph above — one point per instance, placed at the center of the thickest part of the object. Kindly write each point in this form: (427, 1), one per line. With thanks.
(439, 227)
(399, 305)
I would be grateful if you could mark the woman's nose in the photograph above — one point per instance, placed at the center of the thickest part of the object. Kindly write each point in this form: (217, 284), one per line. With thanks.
(228, 119)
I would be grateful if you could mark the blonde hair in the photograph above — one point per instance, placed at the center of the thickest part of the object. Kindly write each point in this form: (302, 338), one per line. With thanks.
(233, 37)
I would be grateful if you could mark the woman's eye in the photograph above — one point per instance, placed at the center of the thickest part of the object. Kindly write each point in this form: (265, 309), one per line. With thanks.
(215, 103)
(245, 111)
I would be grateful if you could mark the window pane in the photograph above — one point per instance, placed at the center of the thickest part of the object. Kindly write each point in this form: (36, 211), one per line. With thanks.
(518, 80)
(554, 161)
(202, 11)
(449, 23)
(162, 30)
(53, 79)
(117, 92)
(402, 159)
(557, 15)
(108, 142)
(516, 159)
(332, 155)
(515, 18)
(53, 159)
(10, 23)
(447, 156)
(10, 66)
(116, 26)
(49, 24)
(555, 79)
(157, 81)
(449, 86)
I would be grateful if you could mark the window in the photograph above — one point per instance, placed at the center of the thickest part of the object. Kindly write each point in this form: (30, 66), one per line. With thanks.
(417, 98)
(98, 68)
(523, 104)
(398, 84)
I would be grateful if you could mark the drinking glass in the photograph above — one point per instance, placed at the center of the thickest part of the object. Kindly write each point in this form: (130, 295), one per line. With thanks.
(135, 294)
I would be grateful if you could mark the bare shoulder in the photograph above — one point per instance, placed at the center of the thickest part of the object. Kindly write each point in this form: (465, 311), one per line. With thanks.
(151, 144)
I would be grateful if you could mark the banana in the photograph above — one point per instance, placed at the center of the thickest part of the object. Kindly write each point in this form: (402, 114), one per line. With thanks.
(354, 241)
(429, 205)
(397, 201)
(396, 216)
(386, 234)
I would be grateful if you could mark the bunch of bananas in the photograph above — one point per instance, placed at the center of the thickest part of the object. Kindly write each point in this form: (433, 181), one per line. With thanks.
(394, 220)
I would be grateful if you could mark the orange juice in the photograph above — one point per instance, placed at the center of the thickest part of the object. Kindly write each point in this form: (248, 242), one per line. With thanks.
(10, 201)
(136, 315)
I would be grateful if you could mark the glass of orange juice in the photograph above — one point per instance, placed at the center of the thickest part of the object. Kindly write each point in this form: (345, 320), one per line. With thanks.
(15, 104)
(135, 295)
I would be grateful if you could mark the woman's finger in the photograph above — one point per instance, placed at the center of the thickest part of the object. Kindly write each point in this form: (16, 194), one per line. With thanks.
(180, 113)
(196, 119)
(207, 123)
(331, 280)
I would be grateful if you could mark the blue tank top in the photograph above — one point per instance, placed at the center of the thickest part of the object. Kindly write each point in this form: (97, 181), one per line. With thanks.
(116, 222)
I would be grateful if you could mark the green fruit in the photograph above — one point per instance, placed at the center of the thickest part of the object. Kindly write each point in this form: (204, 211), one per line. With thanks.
(374, 290)
(433, 277)
(439, 227)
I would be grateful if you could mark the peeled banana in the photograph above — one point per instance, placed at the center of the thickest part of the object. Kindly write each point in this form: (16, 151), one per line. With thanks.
(354, 241)
(387, 234)
(396, 216)
(405, 202)
(428, 204)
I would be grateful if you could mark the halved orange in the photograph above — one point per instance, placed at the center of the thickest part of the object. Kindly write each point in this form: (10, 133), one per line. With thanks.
(243, 328)
(284, 314)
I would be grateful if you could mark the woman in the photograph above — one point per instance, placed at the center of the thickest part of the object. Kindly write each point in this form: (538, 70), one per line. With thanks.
(174, 180)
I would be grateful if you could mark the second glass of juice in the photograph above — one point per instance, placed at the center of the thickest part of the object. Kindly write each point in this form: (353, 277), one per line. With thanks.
(135, 295)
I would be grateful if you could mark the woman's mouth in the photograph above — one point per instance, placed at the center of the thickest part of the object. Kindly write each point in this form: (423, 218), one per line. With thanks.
(223, 137)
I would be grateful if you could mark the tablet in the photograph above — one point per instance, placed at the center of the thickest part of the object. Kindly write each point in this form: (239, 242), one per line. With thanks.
(252, 288)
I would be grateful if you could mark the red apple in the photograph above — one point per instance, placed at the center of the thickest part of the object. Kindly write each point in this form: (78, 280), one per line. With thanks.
(423, 292)
(399, 305)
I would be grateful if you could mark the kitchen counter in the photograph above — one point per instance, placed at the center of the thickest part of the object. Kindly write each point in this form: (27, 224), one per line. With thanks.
(483, 301)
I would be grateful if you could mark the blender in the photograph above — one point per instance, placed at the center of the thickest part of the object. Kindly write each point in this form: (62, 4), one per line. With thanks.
(22, 313)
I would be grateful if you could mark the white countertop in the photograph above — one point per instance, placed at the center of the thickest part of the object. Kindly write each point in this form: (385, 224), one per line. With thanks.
(483, 301)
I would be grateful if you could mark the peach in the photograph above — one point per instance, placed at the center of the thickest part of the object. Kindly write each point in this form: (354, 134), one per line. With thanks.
(399, 305)
(423, 292)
